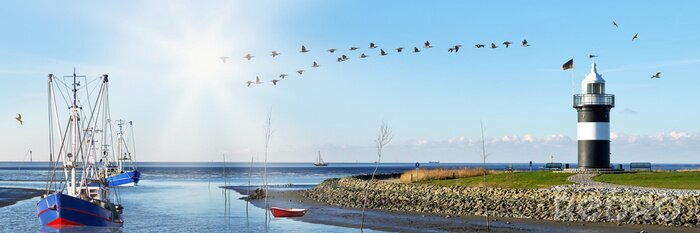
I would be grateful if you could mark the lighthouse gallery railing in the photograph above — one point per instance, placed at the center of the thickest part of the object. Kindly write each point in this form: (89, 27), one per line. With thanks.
(594, 99)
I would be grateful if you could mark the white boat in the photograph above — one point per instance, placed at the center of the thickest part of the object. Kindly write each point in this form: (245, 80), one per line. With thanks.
(319, 161)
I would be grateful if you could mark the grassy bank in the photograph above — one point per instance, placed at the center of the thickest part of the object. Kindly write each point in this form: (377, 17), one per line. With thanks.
(673, 180)
(441, 174)
(538, 179)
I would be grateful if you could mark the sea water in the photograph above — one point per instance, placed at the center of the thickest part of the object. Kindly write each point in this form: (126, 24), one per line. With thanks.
(186, 197)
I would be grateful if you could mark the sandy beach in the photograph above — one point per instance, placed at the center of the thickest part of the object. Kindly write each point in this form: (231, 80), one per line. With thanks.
(421, 222)
(9, 196)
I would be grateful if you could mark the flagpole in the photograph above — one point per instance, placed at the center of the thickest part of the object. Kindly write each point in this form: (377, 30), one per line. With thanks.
(573, 85)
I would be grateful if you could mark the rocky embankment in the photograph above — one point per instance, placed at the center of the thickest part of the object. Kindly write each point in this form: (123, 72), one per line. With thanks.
(561, 203)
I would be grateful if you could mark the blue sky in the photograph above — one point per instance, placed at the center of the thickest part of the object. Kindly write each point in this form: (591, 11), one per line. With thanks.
(162, 57)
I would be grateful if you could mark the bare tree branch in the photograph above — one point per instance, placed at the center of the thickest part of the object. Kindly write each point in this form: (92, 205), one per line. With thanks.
(383, 138)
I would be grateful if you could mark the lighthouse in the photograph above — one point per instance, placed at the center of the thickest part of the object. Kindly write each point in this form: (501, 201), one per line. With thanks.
(593, 128)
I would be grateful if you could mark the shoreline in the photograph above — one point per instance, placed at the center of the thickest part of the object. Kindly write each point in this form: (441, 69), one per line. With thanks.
(401, 221)
(10, 196)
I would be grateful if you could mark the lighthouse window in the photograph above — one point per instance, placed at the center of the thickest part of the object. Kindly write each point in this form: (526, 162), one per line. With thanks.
(596, 88)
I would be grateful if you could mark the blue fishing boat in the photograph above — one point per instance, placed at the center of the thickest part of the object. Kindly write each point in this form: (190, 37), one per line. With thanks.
(118, 175)
(83, 197)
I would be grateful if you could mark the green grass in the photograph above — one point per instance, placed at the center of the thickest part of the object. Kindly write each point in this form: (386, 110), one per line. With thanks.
(672, 180)
(538, 179)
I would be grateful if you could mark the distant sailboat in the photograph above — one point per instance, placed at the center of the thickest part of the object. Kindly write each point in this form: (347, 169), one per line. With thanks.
(319, 161)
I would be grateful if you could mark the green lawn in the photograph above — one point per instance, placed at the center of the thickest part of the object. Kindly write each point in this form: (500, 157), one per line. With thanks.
(538, 179)
(674, 180)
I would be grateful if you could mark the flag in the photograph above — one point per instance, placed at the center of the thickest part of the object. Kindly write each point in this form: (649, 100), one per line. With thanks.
(568, 65)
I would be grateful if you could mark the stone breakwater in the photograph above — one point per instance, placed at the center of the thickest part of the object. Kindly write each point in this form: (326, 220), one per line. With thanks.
(561, 203)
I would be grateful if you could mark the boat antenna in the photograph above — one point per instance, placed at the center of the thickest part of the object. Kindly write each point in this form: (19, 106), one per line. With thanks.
(75, 89)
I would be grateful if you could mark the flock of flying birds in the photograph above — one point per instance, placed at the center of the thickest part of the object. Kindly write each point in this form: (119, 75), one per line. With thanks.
(343, 57)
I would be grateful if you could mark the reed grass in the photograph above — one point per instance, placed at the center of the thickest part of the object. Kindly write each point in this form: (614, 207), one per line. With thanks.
(442, 174)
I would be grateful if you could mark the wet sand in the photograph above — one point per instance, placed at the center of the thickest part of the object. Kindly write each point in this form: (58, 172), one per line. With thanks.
(420, 222)
(9, 196)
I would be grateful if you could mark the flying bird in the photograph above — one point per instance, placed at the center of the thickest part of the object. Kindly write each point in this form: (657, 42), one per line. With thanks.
(372, 45)
(525, 44)
(249, 82)
(257, 80)
(332, 50)
(507, 43)
(304, 50)
(636, 36)
(456, 48)
(274, 54)
(248, 56)
(382, 53)
(339, 59)
(427, 45)
(363, 56)
(345, 58)
(282, 76)
(274, 82)
(223, 59)
(615, 24)
(19, 119)
(353, 48)
(315, 65)
(451, 49)
(300, 71)
(479, 46)
(399, 49)
(416, 50)
(592, 56)
(493, 46)
(657, 75)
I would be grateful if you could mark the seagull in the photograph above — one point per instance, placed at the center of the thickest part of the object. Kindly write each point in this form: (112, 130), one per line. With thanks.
(493, 46)
(315, 65)
(363, 56)
(382, 53)
(353, 48)
(223, 59)
(427, 45)
(657, 75)
(592, 56)
(451, 49)
(615, 24)
(340, 59)
(636, 36)
(274, 54)
(248, 56)
(282, 76)
(416, 50)
(400, 49)
(372, 45)
(300, 71)
(479, 46)
(19, 119)
(304, 50)
(345, 58)
(332, 50)
(274, 82)
(525, 44)
(456, 48)
(507, 43)
(249, 82)
(257, 80)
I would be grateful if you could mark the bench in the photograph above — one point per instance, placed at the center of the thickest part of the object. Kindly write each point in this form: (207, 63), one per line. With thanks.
(552, 166)
(640, 166)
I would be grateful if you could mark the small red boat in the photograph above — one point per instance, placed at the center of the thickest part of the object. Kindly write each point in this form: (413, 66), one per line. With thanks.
(282, 212)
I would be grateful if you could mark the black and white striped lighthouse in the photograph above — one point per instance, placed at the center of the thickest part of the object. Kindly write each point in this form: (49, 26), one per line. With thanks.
(593, 128)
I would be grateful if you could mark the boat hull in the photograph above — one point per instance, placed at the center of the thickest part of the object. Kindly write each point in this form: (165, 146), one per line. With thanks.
(59, 210)
(129, 178)
(280, 212)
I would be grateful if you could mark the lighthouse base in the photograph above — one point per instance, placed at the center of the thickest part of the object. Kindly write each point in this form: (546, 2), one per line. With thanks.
(593, 170)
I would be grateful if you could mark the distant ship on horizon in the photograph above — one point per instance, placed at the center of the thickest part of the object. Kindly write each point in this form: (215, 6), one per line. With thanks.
(319, 161)
(436, 161)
